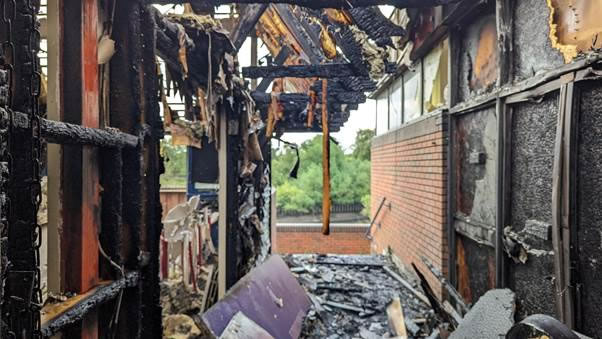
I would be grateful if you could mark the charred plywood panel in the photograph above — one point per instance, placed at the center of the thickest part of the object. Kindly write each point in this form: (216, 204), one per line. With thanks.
(533, 50)
(589, 190)
(478, 69)
(533, 134)
(476, 146)
(476, 271)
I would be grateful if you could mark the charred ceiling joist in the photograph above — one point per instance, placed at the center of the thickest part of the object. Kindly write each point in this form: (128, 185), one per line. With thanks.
(320, 4)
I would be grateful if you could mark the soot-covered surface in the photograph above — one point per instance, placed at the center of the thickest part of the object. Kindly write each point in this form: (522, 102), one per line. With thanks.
(533, 135)
(533, 51)
(477, 69)
(590, 207)
(476, 133)
(480, 261)
(363, 284)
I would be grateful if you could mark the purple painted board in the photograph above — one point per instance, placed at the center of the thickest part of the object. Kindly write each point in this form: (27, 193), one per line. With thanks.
(269, 295)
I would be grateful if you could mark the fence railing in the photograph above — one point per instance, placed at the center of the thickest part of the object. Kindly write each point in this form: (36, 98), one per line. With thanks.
(337, 208)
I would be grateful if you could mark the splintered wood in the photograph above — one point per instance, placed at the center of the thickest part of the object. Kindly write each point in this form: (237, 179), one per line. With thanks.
(325, 162)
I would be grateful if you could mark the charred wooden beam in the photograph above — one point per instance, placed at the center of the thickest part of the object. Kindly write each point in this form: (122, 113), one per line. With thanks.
(346, 4)
(300, 71)
(249, 17)
(378, 27)
(279, 61)
(305, 40)
(87, 304)
(57, 132)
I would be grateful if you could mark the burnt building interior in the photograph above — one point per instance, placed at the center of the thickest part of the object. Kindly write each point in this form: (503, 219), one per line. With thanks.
(85, 90)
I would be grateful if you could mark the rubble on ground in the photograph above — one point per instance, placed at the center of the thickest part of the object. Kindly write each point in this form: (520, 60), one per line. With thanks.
(178, 298)
(180, 326)
(350, 295)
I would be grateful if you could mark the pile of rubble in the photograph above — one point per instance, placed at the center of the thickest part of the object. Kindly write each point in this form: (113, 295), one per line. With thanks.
(179, 301)
(355, 297)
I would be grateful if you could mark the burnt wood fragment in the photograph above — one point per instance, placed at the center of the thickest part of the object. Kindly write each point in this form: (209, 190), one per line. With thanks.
(378, 27)
(346, 4)
(300, 71)
(249, 16)
(279, 61)
(81, 309)
(57, 132)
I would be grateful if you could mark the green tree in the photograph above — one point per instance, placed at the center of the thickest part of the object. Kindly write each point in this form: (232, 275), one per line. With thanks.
(363, 142)
(350, 176)
(175, 164)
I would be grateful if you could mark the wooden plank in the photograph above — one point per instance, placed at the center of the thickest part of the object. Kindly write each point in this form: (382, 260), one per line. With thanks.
(90, 166)
(396, 319)
(326, 202)
(557, 188)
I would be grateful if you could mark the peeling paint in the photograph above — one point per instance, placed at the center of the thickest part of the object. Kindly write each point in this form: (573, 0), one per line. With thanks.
(574, 26)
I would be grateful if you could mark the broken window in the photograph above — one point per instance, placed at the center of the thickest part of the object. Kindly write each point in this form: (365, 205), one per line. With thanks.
(382, 113)
(395, 107)
(412, 99)
(435, 77)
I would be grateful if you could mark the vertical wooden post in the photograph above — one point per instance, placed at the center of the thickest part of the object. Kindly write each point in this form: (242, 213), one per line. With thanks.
(223, 201)
(325, 161)
(562, 204)
(54, 34)
(254, 57)
(504, 24)
(80, 171)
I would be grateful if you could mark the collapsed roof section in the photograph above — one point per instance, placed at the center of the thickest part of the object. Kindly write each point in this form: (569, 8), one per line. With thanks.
(348, 47)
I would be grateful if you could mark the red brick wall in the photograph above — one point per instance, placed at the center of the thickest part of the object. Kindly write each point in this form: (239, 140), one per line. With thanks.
(344, 240)
(409, 170)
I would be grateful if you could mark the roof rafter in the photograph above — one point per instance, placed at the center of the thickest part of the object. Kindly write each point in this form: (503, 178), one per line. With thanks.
(345, 4)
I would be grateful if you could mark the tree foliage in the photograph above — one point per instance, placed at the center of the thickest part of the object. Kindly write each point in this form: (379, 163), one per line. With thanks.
(363, 141)
(175, 164)
(350, 174)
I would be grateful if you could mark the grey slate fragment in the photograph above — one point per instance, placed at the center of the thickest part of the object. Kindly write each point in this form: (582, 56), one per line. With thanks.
(491, 317)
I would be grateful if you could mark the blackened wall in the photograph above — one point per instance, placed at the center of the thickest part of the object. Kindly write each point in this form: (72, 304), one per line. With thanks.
(589, 207)
(533, 135)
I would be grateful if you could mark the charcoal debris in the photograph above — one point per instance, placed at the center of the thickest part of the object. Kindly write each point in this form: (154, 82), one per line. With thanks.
(350, 294)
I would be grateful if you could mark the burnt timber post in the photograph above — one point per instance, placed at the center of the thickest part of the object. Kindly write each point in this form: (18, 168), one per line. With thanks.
(80, 167)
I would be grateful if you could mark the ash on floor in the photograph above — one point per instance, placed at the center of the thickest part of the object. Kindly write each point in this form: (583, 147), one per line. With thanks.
(350, 295)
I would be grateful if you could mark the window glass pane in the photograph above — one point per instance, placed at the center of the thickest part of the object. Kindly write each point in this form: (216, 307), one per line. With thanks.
(395, 116)
(435, 78)
(382, 113)
(412, 101)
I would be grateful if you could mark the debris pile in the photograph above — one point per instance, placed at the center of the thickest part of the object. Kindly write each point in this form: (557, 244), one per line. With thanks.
(354, 297)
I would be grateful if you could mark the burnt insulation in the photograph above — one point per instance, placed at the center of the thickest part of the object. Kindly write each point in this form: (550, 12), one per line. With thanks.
(533, 51)
(533, 135)
(589, 208)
